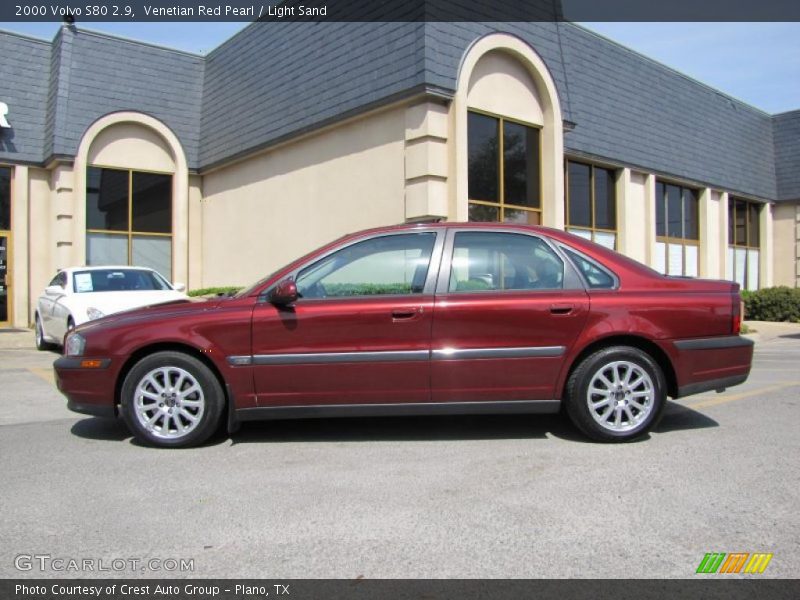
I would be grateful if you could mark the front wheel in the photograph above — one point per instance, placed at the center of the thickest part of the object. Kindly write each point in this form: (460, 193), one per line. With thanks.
(171, 400)
(616, 394)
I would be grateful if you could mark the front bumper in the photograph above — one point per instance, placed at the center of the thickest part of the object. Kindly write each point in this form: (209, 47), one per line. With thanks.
(89, 391)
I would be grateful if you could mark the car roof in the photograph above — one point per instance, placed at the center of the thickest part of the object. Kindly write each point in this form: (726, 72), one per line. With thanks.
(104, 268)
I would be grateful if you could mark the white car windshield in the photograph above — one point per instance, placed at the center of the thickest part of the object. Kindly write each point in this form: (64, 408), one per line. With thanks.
(118, 280)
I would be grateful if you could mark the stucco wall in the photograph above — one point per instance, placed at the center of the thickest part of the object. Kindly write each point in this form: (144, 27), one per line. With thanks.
(785, 244)
(261, 213)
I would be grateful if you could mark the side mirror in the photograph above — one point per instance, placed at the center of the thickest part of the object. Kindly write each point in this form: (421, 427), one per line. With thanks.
(54, 290)
(179, 287)
(284, 293)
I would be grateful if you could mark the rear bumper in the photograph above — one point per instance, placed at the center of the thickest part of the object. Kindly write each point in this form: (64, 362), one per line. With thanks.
(715, 363)
(89, 391)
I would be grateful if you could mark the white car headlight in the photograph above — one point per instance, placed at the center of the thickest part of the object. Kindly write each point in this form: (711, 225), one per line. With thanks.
(74, 344)
(94, 313)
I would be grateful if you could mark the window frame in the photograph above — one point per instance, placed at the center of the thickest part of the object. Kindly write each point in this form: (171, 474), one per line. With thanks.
(747, 246)
(592, 201)
(681, 241)
(501, 205)
(427, 290)
(130, 233)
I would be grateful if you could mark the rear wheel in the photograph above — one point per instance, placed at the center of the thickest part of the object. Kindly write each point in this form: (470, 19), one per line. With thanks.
(616, 394)
(171, 399)
(41, 343)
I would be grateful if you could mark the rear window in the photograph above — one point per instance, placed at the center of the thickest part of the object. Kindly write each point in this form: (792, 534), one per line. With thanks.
(117, 280)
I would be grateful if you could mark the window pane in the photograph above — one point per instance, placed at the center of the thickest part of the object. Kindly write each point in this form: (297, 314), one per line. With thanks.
(691, 259)
(154, 252)
(482, 137)
(609, 240)
(523, 217)
(483, 213)
(106, 199)
(5, 198)
(691, 226)
(741, 223)
(674, 210)
(580, 210)
(675, 259)
(660, 260)
(753, 224)
(661, 210)
(752, 269)
(152, 203)
(3, 271)
(605, 199)
(396, 264)
(521, 164)
(731, 222)
(596, 277)
(106, 249)
(485, 261)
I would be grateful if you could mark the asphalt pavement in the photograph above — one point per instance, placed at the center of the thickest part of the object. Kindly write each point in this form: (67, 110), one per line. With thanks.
(474, 497)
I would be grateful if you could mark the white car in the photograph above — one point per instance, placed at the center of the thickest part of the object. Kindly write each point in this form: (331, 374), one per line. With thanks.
(80, 294)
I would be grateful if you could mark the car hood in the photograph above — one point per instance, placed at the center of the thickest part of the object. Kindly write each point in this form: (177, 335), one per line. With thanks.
(114, 302)
(160, 311)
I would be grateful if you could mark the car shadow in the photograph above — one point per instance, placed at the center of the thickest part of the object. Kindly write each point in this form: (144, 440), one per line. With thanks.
(678, 417)
(401, 429)
(96, 428)
(791, 336)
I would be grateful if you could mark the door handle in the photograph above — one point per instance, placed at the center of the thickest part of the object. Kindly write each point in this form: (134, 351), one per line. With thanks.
(561, 309)
(405, 314)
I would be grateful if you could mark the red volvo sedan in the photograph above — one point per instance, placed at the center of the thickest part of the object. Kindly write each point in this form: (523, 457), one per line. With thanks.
(413, 320)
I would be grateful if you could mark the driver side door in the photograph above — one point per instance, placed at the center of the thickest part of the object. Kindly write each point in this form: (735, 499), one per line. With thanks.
(360, 332)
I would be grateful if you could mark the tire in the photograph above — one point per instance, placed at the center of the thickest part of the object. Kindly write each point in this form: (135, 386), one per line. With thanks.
(160, 414)
(616, 394)
(41, 343)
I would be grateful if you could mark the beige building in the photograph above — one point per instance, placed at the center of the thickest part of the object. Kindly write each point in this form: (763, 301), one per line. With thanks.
(180, 180)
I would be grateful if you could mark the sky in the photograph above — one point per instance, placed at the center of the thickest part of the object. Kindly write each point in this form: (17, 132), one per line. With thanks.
(758, 63)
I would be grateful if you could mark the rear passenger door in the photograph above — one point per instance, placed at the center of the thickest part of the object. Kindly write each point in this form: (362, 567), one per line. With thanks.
(507, 308)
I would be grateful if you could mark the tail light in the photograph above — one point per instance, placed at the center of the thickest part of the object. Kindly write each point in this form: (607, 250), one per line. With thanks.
(737, 312)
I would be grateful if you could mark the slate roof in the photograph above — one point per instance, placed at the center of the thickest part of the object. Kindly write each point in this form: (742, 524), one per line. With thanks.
(273, 81)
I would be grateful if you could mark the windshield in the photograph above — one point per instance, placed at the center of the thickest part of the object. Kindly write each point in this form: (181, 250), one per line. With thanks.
(118, 280)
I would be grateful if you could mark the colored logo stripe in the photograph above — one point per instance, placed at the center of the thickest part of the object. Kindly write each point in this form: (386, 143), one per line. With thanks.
(711, 562)
(758, 563)
(716, 562)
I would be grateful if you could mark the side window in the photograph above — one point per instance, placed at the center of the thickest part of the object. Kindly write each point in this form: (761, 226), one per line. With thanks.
(595, 276)
(60, 280)
(484, 261)
(386, 265)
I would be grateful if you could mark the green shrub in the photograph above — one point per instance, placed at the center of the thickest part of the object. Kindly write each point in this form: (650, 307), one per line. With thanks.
(339, 290)
(772, 304)
(210, 291)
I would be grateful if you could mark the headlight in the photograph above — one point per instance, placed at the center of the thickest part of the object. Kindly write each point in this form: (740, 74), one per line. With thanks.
(74, 344)
(94, 313)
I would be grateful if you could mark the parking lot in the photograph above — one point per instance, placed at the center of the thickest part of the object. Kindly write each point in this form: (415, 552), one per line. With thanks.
(453, 497)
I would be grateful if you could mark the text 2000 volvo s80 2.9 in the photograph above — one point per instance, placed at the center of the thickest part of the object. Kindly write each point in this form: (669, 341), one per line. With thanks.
(418, 320)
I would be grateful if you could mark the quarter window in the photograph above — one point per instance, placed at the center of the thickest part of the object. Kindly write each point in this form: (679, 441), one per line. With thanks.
(591, 203)
(387, 265)
(129, 219)
(503, 171)
(744, 243)
(677, 230)
(485, 261)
